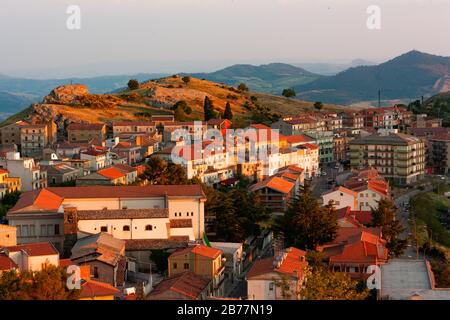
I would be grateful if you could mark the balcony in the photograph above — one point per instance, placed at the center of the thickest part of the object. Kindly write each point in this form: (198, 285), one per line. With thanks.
(219, 277)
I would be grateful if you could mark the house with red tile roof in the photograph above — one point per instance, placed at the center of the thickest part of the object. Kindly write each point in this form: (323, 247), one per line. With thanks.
(182, 286)
(355, 248)
(32, 256)
(274, 192)
(98, 158)
(361, 191)
(105, 176)
(267, 276)
(203, 261)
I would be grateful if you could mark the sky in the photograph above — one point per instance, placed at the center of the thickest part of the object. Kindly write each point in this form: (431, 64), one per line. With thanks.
(153, 36)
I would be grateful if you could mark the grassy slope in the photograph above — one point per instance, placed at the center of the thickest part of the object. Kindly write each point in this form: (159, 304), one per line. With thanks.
(156, 97)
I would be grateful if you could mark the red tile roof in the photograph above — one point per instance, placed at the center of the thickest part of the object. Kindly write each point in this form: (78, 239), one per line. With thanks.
(443, 136)
(199, 250)
(180, 223)
(292, 264)
(298, 138)
(187, 283)
(6, 263)
(275, 183)
(50, 199)
(35, 249)
(91, 289)
(111, 173)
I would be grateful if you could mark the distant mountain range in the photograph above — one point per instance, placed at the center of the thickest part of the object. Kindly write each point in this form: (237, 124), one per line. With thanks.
(331, 69)
(409, 76)
(18, 93)
(269, 78)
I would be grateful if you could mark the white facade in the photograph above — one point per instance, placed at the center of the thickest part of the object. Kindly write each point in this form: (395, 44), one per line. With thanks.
(32, 178)
(341, 199)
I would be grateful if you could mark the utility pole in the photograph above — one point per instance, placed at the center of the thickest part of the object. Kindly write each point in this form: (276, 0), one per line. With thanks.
(379, 98)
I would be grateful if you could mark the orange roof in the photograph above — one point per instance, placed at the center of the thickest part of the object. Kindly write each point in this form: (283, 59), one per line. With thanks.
(91, 289)
(274, 183)
(38, 200)
(35, 249)
(298, 138)
(311, 146)
(50, 199)
(293, 264)
(3, 171)
(187, 283)
(111, 173)
(199, 250)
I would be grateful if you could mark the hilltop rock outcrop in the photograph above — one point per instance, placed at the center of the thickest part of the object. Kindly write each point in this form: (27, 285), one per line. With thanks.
(66, 94)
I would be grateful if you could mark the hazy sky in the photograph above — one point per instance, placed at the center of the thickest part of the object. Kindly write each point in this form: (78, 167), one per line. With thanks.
(128, 36)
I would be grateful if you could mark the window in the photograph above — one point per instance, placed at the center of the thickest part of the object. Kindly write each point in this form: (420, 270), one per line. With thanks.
(126, 228)
(57, 229)
(43, 230)
(187, 214)
(104, 229)
(95, 272)
(148, 228)
(175, 265)
(176, 214)
(186, 266)
(271, 286)
(192, 214)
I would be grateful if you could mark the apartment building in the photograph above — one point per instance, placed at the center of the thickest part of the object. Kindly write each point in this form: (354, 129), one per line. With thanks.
(154, 212)
(10, 134)
(398, 156)
(60, 173)
(35, 137)
(82, 132)
(439, 153)
(98, 159)
(352, 120)
(31, 175)
(324, 140)
(203, 261)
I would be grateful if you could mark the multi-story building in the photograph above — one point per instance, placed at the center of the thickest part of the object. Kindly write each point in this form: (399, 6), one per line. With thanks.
(128, 150)
(323, 139)
(203, 261)
(82, 132)
(31, 175)
(10, 134)
(8, 184)
(129, 127)
(35, 137)
(98, 159)
(132, 213)
(299, 124)
(399, 157)
(352, 120)
(278, 278)
(439, 153)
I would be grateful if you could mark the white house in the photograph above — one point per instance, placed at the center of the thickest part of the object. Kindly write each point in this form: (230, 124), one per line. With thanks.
(32, 176)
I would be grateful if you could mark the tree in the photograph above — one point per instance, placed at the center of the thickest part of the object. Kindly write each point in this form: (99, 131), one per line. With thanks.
(186, 79)
(228, 114)
(288, 93)
(133, 84)
(8, 201)
(47, 284)
(384, 216)
(179, 114)
(318, 105)
(322, 284)
(158, 171)
(242, 87)
(238, 213)
(208, 109)
(305, 223)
